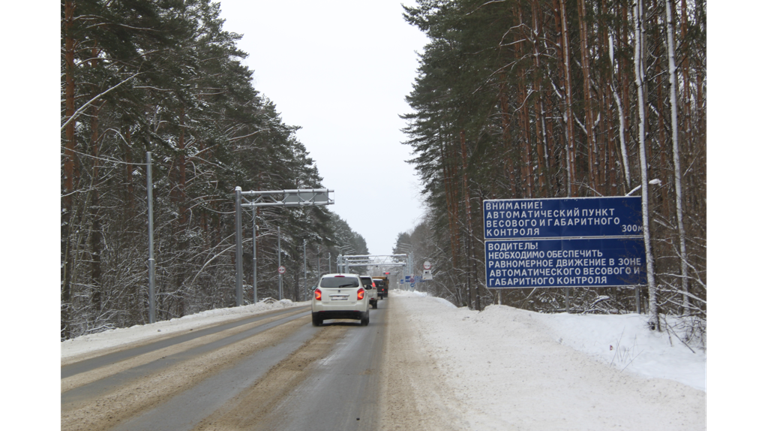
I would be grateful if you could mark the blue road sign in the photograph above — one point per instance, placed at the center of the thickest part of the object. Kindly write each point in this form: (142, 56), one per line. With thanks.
(562, 217)
(565, 263)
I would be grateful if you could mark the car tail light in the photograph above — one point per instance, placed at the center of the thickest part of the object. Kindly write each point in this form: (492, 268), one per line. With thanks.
(318, 294)
(360, 294)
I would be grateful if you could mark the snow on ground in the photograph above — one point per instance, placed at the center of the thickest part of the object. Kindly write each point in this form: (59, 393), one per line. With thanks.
(511, 366)
(514, 369)
(622, 341)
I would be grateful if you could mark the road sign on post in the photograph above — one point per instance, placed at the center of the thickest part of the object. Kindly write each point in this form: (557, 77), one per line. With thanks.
(281, 270)
(563, 242)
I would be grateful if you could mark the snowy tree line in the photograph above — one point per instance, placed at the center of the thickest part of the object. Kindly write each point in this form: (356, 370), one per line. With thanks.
(555, 98)
(142, 76)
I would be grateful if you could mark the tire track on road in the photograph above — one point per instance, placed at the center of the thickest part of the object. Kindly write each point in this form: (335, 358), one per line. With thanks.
(196, 345)
(251, 408)
(131, 398)
(91, 360)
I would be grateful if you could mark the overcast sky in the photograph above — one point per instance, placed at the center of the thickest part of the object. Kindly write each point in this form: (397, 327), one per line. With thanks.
(341, 70)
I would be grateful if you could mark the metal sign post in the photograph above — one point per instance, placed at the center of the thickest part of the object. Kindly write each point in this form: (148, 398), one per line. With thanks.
(283, 198)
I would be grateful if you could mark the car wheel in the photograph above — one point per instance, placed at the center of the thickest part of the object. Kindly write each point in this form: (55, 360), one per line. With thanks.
(366, 318)
(375, 304)
(316, 320)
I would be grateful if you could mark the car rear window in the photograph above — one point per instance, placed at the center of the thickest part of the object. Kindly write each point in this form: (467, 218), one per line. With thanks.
(366, 281)
(339, 282)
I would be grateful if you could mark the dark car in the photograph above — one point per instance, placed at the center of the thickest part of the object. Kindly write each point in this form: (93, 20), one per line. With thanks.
(382, 286)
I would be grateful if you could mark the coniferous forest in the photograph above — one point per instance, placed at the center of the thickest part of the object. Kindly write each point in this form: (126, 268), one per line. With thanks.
(163, 77)
(512, 99)
(556, 98)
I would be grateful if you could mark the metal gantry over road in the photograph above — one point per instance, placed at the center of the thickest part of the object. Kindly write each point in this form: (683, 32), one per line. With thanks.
(343, 262)
(268, 198)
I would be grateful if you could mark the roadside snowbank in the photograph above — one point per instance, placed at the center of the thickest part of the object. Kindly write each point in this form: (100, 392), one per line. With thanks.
(513, 369)
(625, 342)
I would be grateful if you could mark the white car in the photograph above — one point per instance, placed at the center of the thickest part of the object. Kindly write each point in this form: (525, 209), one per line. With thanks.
(340, 296)
(371, 288)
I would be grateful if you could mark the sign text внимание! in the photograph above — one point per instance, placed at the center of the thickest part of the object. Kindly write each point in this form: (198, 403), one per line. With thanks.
(562, 217)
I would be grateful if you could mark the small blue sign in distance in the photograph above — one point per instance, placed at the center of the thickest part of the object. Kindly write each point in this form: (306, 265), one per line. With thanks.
(588, 262)
(562, 217)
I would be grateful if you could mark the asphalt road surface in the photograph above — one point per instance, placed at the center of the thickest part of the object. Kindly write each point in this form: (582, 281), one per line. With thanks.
(266, 372)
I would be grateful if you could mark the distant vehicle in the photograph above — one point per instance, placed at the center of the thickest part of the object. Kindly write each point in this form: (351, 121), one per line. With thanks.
(382, 286)
(368, 284)
(341, 296)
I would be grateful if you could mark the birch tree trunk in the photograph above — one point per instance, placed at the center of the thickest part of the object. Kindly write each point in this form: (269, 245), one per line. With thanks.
(676, 156)
(620, 113)
(639, 82)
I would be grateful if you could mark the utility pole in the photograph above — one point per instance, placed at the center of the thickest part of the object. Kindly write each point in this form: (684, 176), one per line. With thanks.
(238, 248)
(301, 295)
(151, 259)
(255, 228)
